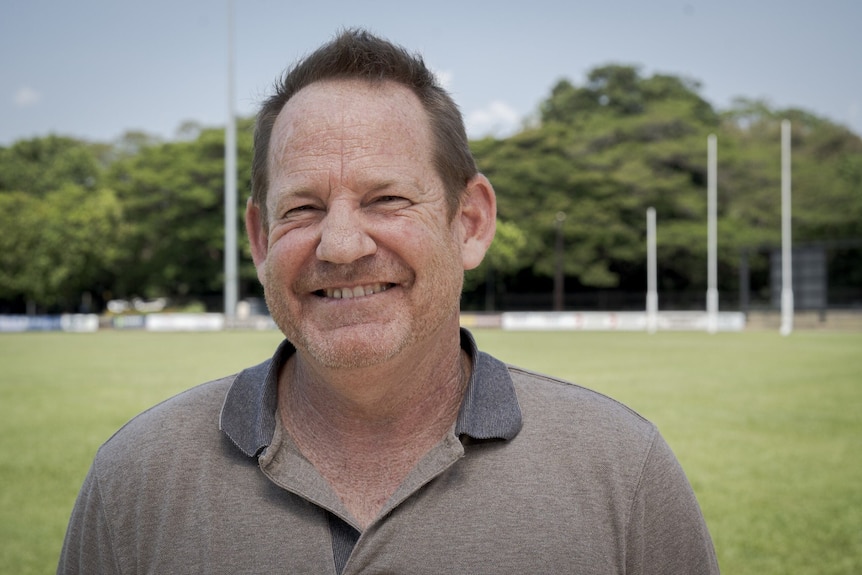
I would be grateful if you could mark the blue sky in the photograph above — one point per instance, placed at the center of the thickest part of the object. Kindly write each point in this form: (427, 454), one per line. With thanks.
(95, 69)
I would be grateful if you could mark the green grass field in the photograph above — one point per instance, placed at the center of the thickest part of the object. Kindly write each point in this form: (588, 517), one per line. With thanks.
(769, 429)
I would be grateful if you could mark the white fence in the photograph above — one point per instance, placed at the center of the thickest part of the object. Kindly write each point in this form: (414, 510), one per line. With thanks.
(619, 321)
(573, 321)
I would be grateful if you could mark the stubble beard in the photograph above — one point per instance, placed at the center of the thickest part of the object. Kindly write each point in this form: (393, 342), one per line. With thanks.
(380, 342)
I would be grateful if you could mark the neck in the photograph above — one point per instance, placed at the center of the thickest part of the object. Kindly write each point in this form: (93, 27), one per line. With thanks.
(365, 430)
(391, 400)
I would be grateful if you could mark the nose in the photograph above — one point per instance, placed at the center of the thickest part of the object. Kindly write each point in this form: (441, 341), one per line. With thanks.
(343, 237)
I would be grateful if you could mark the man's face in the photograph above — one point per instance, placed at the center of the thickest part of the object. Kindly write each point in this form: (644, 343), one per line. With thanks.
(362, 260)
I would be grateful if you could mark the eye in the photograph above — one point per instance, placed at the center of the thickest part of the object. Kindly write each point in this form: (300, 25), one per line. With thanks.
(390, 200)
(302, 208)
(299, 213)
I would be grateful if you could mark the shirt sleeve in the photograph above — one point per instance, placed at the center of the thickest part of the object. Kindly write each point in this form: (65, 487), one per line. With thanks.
(667, 533)
(88, 547)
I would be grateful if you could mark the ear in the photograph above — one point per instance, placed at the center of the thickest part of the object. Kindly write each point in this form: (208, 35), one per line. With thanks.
(258, 238)
(478, 220)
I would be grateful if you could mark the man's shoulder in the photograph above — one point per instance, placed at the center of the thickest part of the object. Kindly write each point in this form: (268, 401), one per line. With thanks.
(565, 405)
(170, 424)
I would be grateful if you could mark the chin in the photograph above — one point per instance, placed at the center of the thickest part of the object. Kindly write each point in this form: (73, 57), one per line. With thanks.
(354, 347)
(346, 355)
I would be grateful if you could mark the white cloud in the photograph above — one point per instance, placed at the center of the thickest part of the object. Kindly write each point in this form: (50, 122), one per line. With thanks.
(26, 97)
(497, 119)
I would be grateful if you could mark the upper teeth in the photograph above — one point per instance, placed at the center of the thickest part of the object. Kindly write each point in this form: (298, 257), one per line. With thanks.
(358, 291)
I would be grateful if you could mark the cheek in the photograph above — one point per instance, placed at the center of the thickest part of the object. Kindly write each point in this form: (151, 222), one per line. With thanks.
(281, 265)
(292, 247)
(424, 237)
(433, 254)
(269, 275)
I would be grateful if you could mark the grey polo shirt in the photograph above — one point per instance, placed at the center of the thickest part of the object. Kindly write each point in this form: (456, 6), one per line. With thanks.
(489, 411)
(536, 476)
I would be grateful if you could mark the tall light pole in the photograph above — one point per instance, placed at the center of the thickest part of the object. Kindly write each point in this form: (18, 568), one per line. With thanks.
(652, 274)
(712, 236)
(559, 289)
(231, 281)
(786, 240)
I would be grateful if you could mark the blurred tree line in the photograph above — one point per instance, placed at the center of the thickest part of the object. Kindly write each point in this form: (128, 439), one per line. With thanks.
(144, 218)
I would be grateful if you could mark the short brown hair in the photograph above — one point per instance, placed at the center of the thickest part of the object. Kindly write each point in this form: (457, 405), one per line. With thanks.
(357, 54)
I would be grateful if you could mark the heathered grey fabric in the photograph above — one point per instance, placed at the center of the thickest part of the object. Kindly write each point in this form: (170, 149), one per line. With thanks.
(554, 479)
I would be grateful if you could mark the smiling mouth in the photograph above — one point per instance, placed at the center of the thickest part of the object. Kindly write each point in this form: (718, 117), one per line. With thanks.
(352, 292)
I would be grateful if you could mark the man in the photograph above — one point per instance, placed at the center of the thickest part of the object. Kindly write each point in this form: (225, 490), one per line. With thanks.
(379, 439)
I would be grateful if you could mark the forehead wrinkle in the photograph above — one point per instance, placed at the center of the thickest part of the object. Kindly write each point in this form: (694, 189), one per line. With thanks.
(299, 151)
(307, 136)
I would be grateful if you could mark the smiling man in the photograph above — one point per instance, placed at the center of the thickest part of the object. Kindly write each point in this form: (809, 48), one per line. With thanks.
(379, 439)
